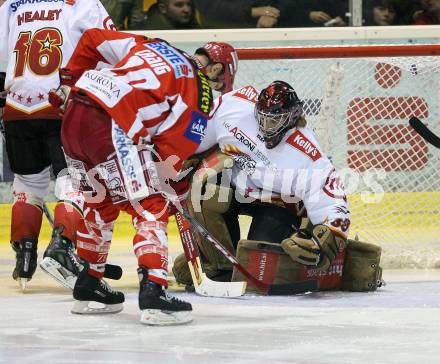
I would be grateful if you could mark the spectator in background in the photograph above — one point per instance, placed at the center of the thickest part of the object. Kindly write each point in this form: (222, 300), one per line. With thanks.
(405, 10)
(380, 12)
(171, 14)
(329, 12)
(294, 13)
(429, 13)
(114, 9)
(238, 13)
(126, 14)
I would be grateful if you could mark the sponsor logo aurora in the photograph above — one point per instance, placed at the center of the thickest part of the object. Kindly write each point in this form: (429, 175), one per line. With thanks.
(105, 82)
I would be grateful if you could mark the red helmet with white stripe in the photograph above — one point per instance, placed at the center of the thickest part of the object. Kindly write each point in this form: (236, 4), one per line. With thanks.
(225, 54)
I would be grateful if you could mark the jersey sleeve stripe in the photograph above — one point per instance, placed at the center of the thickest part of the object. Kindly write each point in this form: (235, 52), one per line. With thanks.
(178, 109)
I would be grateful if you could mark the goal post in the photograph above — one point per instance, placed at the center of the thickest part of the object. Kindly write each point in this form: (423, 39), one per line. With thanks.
(353, 51)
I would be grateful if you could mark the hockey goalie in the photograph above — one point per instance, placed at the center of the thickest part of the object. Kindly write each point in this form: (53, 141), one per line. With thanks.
(268, 165)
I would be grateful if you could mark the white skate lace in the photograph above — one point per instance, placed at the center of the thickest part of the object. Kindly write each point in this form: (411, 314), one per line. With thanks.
(75, 259)
(106, 286)
(170, 298)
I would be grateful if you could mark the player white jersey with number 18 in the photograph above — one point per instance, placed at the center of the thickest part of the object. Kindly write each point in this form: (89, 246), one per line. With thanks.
(296, 169)
(36, 39)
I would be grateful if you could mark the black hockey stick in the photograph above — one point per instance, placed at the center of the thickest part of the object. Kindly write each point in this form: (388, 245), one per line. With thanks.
(269, 289)
(424, 132)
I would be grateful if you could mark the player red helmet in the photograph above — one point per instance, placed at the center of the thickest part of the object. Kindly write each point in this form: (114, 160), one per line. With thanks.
(224, 53)
(277, 110)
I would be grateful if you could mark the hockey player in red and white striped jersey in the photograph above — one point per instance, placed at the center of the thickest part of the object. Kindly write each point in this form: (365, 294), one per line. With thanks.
(36, 39)
(127, 129)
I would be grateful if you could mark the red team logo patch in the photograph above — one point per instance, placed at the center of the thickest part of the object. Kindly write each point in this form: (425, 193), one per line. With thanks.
(334, 187)
(304, 145)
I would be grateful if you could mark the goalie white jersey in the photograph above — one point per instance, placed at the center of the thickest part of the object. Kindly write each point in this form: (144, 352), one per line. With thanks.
(37, 38)
(296, 169)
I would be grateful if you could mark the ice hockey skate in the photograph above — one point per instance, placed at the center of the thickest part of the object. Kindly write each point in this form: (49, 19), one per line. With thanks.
(26, 260)
(94, 295)
(158, 308)
(60, 260)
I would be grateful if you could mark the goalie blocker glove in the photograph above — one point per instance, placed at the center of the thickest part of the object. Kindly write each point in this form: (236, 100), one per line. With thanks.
(317, 246)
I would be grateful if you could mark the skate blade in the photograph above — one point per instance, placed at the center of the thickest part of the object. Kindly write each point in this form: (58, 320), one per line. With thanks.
(22, 282)
(58, 272)
(165, 318)
(95, 308)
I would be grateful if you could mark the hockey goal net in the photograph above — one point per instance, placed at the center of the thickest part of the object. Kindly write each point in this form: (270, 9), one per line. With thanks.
(359, 99)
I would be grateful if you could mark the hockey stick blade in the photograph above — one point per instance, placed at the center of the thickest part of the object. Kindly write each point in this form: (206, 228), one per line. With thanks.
(210, 288)
(202, 284)
(424, 132)
(269, 289)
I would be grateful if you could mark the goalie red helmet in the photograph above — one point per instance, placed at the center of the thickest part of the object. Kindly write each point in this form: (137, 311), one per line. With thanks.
(277, 110)
(225, 54)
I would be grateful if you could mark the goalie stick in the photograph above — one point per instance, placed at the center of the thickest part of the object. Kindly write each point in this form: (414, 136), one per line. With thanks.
(424, 132)
(269, 289)
(202, 284)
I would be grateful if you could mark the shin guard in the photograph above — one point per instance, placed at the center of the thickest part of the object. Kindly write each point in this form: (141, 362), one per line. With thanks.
(26, 221)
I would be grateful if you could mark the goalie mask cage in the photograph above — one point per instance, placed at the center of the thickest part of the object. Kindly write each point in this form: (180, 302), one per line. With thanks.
(359, 100)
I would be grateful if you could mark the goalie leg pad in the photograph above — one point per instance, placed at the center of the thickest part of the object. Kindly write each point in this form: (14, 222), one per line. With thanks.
(26, 220)
(361, 269)
(267, 262)
(183, 275)
(211, 216)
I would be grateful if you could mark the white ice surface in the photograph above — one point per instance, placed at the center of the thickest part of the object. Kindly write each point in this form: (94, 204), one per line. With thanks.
(397, 324)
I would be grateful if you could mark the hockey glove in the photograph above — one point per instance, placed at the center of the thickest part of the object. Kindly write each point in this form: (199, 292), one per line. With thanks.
(67, 77)
(59, 97)
(317, 248)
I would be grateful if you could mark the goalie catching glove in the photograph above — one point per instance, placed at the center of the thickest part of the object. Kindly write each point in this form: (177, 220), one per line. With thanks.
(317, 245)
